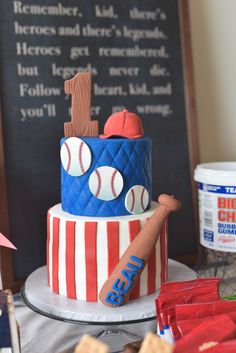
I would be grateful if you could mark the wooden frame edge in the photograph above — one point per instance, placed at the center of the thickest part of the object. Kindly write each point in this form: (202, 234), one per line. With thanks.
(6, 265)
(190, 104)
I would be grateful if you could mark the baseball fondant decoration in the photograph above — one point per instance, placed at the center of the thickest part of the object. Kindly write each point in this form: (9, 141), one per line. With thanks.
(75, 156)
(136, 200)
(106, 183)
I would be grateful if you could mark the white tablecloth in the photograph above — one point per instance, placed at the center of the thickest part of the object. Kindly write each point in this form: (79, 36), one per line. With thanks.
(40, 334)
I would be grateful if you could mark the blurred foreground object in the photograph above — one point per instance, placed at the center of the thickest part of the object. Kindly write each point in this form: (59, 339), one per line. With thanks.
(90, 344)
(9, 335)
(153, 344)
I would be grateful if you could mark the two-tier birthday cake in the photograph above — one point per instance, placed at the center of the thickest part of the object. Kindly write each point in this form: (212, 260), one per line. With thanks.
(106, 188)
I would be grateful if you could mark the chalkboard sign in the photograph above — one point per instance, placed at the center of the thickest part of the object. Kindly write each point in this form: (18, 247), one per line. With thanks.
(139, 56)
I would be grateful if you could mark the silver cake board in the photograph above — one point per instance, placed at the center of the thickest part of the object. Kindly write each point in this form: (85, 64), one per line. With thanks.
(117, 329)
(39, 297)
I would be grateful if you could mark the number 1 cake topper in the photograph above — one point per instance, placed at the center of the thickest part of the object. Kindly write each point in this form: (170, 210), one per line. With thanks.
(80, 89)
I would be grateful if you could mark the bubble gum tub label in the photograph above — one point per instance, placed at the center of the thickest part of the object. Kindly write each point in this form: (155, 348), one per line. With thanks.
(217, 213)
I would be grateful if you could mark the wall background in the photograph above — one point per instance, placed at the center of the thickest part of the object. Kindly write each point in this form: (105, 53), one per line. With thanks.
(213, 32)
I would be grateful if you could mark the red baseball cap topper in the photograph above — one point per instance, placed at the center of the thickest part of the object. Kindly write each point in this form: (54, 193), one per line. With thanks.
(124, 124)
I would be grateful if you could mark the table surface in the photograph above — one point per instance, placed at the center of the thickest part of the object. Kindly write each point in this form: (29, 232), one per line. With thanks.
(40, 298)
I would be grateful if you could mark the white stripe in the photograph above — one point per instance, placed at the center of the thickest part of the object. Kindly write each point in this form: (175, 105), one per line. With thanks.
(80, 267)
(124, 238)
(62, 258)
(50, 247)
(102, 254)
(144, 274)
(158, 263)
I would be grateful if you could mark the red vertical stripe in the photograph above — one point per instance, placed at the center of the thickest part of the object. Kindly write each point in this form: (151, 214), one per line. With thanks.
(134, 228)
(112, 245)
(91, 260)
(163, 254)
(55, 250)
(70, 259)
(152, 271)
(48, 243)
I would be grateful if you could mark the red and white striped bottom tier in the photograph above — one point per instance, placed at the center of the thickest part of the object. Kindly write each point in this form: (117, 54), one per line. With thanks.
(82, 252)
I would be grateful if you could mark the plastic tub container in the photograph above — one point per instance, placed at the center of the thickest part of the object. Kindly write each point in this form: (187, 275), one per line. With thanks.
(217, 205)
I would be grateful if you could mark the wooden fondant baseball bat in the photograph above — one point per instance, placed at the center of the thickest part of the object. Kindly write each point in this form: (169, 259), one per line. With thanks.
(117, 288)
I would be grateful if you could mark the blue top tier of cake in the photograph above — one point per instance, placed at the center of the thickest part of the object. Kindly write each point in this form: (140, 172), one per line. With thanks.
(132, 158)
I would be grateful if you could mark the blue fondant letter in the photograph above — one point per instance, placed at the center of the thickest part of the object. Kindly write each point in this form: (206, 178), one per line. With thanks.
(119, 286)
(114, 298)
(140, 263)
(129, 274)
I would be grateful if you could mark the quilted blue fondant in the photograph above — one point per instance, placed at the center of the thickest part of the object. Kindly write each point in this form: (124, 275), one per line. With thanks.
(133, 160)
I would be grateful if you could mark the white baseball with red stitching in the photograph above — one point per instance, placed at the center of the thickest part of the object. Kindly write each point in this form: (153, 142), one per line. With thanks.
(75, 156)
(106, 183)
(137, 199)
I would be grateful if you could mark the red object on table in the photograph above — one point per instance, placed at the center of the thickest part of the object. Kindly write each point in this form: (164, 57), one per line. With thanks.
(209, 332)
(166, 303)
(168, 287)
(191, 315)
(224, 347)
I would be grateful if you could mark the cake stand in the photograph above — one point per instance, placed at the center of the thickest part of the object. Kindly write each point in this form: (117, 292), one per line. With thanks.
(39, 297)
